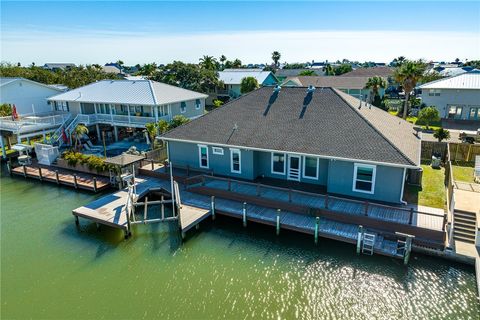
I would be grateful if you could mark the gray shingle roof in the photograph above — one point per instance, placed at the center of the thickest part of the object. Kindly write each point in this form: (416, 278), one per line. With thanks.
(331, 126)
(331, 81)
(370, 72)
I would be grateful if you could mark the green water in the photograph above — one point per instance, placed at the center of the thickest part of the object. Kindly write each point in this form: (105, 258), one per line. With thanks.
(49, 269)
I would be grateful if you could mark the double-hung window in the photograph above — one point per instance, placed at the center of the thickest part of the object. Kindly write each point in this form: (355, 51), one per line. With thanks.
(310, 167)
(364, 178)
(203, 156)
(197, 104)
(235, 161)
(183, 107)
(278, 163)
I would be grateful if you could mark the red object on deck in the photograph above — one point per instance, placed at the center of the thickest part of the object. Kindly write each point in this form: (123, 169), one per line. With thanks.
(64, 136)
(14, 113)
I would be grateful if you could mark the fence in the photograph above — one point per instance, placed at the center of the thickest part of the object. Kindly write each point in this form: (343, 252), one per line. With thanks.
(429, 148)
(159, 154)
(461, 152)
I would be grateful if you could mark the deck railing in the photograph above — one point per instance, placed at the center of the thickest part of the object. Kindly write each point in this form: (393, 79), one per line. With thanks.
(329, 202)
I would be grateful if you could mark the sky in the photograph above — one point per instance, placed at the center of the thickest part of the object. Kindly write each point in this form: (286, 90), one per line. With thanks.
(142, 32)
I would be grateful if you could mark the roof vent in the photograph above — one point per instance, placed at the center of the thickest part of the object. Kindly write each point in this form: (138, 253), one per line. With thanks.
(277, 88)
(311, 88)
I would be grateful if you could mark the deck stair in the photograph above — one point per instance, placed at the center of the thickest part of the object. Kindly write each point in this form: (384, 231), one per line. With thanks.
(464, 226)
(368, 243)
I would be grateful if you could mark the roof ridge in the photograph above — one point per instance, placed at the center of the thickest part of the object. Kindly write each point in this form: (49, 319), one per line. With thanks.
(447, 78)
(337, 92)
(153, 92)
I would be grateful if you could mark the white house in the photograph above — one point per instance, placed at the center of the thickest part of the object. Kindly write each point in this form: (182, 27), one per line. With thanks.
(117, 104)
(456, 98)
(29, 97)
(232, 78)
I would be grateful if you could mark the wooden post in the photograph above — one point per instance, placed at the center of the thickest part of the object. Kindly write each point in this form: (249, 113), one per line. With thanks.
(278, 221)
(408, 249)
(75, 180)
(468, 154)
(153, 165)
(212, 207)
(326, 201)
(359, 238)
(317, 223)
(77, 222)
(94, 184)
(24, 171)
(145, 209)
(366, 208)
(163, 209)
(40, 173)
(56, 177)
(244, 214)
(410, 219)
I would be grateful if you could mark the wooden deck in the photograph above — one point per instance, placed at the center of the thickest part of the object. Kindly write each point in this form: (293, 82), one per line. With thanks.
(63, 177)
(191, 216)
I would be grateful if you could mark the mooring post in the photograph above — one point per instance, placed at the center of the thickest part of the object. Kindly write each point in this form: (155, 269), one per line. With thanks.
(75, 180)
(359, 238)
(244, 212)
(163, 209)
(408, 249)
(278, 221)
(212, 207)
(94, 184)
(153, 165)
(317, 223)
(40, 173)
(24, 171)
(77, 222)
(56, 177)
(145, 208)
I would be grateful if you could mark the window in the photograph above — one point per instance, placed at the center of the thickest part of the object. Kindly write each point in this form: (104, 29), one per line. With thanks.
(217, 150)
(183, 107)
(310, 167)
(197, 104)
(434, 92)
(278, 163)
(203, 156)
(455, 112)
(474, 113)
(235, 161)
(364, 178)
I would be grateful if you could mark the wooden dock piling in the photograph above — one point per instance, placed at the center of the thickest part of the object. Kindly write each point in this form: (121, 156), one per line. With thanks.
(359, 238)
(317, 223)
(40, 177)
(24, 171)
(94, 184)
(212, 206)
(278, 222)
(75, 183)
(244, 214)
(56, 177)
(145, 209)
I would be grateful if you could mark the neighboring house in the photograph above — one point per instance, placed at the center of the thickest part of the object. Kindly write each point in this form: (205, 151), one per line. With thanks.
(382, 71)
(282, 74)
(232, 78)
(58, 66)
(112, 69)
(354, 86)
(29, 97)
(129, 104)
(456, 97)
(319, 138)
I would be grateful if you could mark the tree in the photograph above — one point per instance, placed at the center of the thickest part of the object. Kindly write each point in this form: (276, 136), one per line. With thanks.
(397, 62)
(178, 121)
(329, 71)
(441, 134)
(473, 63)
(374, 84)
(79, 131)
(163, 126)
(208, 62)
(5, 110)
(276, 57)
(408, 74)
(147, 69)
(343, 68)
(248, 84)
(217, 103)
(431, 76)
(152, 130)
(428, 115)
(307, 73)
(237, 63)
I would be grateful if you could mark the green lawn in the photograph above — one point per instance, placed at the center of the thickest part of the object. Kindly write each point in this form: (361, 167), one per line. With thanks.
(464, 174)
(432, 193)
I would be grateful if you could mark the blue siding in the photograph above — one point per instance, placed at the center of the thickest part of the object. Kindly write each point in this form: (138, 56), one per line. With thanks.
(269, 81)
(388, 182)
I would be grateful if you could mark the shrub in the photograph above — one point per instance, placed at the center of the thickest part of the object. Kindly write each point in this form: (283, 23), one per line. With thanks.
(428, 115)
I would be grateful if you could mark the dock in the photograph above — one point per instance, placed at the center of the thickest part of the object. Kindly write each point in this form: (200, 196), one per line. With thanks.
(64, 177)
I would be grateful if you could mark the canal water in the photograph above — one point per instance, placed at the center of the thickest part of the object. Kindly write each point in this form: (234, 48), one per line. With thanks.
(50, 269)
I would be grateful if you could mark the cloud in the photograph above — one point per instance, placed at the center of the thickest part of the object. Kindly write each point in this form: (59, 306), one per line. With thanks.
(133, 47)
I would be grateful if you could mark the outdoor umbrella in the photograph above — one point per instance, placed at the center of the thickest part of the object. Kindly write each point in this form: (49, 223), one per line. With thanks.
(14, 113)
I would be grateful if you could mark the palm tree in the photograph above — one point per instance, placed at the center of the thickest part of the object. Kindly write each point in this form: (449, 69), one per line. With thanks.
(152, 130)
(329, 71)
(408, 74)
(208, 62)
(374, 84)
(276, 57)
(79, 131)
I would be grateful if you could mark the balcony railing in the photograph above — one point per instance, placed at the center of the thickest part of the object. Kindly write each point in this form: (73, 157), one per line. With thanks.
(114, 119)
(33, 123)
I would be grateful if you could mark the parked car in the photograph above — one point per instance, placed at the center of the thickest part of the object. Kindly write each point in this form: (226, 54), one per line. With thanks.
(469, 136)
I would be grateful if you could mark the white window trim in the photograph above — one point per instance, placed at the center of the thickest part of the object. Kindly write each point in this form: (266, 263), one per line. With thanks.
(200, 146)
(217, 150)
(284, 163)
(374, 173)
(232, 151)
(303, 170)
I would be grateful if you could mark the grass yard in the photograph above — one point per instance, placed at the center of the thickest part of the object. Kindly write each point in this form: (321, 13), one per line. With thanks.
(432, 193)
(464, 174)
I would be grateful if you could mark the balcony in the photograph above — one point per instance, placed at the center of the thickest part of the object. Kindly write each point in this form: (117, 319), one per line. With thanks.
(34, 123)
(117, 120)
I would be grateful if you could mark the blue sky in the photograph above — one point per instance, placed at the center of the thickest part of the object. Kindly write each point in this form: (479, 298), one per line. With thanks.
(139, 32)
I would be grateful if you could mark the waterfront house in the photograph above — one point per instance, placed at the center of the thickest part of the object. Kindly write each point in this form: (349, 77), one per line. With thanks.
(354, 86)
(315, 138)
(232, 78)
(126, 104)
(456, 98)
(29, 97)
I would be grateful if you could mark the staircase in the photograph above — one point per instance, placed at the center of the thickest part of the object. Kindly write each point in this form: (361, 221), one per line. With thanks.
(368, 243)
(464, 226)
(69, 128)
